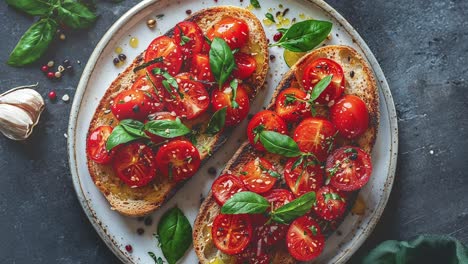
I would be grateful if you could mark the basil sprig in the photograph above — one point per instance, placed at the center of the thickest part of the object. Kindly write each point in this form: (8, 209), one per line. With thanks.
(296, 208)
(175, 235)
(305, 35)
(278, 143)
(221, 60)
(217, 121)
(314, 94)
(38, 37)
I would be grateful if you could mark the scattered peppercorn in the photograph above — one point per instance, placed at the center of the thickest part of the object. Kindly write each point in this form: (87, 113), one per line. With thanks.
(44, 69)
(57, 74)
(140, 231)
(151, 23)
(50, 75)
(129, 248)
(148, 221)
(272, 57)
(277, 36)
(212, 170)
(60, 68)
(351, 74)
(50, 64)
(52, 95)
(116, 61)
(188, 11)
(122, 57)
(62, 36)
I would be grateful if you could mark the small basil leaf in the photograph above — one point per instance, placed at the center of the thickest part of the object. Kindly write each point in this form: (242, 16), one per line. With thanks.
(32, 7)
(278, 143)
(305, 35)
(75, 15)
(133, 127)
(175, 235)
(221, 60)
(33, 43)
(167, 128)
(119, 136)
(320, 87)
(245, 203)
(157, 260)
(270, 17)
(296, 208)
(297, 163)
(216, 122)
(255, 3)
(234, 84)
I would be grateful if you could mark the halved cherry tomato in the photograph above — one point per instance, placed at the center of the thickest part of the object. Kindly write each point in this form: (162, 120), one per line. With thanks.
(252, 255)
(319, 69)
(264, 120)
(330, 204)
(278, 197)
(231, 233)
(156, 94)
(350, 116)
(266, 234)
(223, 98)
(178, 160)
(304, 239)
(290, 109)
(201, 68)
(159, 116)
(306, 177)
(190, 99)
(257, 175)
(132, 104)
(225, 187)
(315, 135)
(349, 168)
(234, 31)
(96, 145)
(166, 48)
(134, 164)
(190, 38)
(246, 65)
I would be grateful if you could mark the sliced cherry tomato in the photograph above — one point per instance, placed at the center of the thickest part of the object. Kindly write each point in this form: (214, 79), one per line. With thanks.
(178, 160)
(225, 186)
(330, 204)
(156, 94)
(223, 98)
(134, 164)
(319, 69)
(264, 120)
(350, 116)
(315, 135)
(252, 255)
(190, 38)
(278, 197)
(201, 68)
(190, 99)
(166, 48)
(159, 116)
(304, 239)
(289, 108)
(349, 168)
(257, 175)
(306, 177)
(231, 233)
(234, 31)
(246, 65)
(96, 145)
(132, 104)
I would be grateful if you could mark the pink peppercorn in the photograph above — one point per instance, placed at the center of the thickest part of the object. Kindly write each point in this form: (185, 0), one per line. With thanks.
(277, 36)
(52, 95)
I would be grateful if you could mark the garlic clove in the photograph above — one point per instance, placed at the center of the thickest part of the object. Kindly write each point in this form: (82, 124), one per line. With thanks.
(25, 98)
(15, 122)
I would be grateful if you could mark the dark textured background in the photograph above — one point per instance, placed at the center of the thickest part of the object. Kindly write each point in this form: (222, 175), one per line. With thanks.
(422, 47)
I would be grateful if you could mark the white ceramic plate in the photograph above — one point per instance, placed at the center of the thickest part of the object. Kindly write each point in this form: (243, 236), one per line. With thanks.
(118, 231)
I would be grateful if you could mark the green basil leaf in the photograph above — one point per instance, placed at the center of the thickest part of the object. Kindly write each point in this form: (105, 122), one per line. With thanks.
(245, 203)
(305, 35)
(167, 128)
(133, 127)
(175, 235)
(217, 121)
(296, 208)
(282, 30)
(119, 136)
(255, 3)
(75, 15)
(278, 143)
(32, 7)
(270, 17)
(234, 84)
(320, 87)
(297, 163)
(221, 60)
(33, 43)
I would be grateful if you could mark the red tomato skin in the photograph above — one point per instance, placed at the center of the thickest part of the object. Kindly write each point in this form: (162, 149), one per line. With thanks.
(131, 160)
(222, 98)
(278, 197)
(350, 116)
(270, 120)
(156, 94)
(353, 171)
(192, 31)
(171, 52)
(300, 239)
(96, 145)
(315, 135)
(132, 104)
(319, 69)
(160, 116)
(180, 157)
(295, 111)
(329, 209)
(311, 180)
(225, 186)
(246, 65)
(234, 31)
(222, 223)
(254, 179)
(201, 69)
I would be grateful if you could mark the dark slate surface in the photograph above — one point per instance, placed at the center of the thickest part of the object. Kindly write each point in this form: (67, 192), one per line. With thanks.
(422, 48)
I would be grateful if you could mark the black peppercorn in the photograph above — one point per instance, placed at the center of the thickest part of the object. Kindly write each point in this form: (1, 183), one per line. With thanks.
(140, 231)
(122, 57)
(148, 221)
(116, 61)
(212, 170)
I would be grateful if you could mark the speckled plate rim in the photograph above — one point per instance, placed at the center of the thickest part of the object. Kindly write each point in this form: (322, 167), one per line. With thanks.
(387, 101)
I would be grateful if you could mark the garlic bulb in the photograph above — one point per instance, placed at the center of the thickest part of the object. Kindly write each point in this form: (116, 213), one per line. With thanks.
(20, 109)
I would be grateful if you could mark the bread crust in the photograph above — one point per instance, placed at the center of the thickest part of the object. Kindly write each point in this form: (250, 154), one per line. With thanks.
(144, 200)
(361, 83)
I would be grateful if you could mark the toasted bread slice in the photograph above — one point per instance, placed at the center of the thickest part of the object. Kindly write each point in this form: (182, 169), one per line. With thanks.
(141, 201)
(359, 81)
